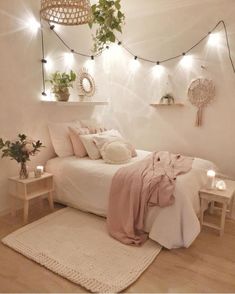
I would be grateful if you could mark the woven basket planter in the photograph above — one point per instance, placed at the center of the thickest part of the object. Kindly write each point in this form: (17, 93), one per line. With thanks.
(66, 12)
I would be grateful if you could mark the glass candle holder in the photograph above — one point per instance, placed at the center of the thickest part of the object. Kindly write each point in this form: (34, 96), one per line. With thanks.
(210, 179)
(38, 172)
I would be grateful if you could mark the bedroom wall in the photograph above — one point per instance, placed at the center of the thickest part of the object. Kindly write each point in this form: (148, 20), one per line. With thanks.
(155, 29)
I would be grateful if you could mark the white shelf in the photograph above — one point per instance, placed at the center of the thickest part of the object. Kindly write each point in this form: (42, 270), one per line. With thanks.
(157, 104)
(75, 103)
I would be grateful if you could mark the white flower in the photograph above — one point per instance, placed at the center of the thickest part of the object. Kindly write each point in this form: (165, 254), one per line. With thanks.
(28, 147)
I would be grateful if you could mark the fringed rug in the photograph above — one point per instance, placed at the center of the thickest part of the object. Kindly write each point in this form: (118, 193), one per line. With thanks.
(76, 246)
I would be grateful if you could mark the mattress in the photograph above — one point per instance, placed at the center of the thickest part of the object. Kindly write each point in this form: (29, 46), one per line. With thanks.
(85, 184)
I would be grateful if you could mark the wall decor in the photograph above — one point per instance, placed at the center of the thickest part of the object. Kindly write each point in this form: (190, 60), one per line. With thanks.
(200, 93)
(86, 84)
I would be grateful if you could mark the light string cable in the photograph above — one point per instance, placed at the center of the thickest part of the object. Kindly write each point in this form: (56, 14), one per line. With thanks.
(190, 49)
(164, 60)
(43, 60)
(52, 27)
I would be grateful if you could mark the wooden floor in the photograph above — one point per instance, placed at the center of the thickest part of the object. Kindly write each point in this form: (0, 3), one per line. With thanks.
(207, 266)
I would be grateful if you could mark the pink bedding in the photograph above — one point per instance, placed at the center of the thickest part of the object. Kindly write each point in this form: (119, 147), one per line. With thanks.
(149, 182)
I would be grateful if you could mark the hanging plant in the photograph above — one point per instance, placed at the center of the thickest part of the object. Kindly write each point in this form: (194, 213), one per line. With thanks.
(109, 18)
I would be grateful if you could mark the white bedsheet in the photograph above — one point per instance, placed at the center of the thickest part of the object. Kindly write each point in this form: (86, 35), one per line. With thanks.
(85, 184)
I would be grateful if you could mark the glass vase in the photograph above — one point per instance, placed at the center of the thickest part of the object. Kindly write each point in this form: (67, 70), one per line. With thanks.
(24, 174)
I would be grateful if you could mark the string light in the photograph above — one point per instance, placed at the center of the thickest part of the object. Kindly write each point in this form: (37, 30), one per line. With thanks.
(221, 22)
(48, 64)
(33, 25)
(158, 69)
(134, 65)
(186, 60)
(68, 58)
(214, 39)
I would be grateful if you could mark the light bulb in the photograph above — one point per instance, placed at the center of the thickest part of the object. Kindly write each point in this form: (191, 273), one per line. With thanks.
(48, 64)
(134, 64)
(68, 58)
(186, 61)
(214, 39)
(33, 25)
(158, 70)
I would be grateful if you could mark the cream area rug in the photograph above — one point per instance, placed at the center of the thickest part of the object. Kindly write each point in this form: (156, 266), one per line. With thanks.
(76, 246)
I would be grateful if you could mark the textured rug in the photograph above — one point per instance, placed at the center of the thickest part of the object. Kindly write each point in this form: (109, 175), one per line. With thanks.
(77, 246)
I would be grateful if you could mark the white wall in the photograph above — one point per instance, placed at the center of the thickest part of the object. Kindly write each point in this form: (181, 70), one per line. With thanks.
(155, 29)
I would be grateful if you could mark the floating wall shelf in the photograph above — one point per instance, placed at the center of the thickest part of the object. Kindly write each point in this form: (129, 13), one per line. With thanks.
(157, 104)
(75, 103)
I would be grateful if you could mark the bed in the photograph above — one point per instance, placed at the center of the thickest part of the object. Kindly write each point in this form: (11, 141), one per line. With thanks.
(85, 184)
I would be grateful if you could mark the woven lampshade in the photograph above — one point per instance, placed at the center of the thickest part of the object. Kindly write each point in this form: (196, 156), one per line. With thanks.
(66, 12)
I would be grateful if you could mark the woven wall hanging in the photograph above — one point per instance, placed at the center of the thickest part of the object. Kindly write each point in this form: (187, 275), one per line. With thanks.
(66, 12)
(201, 92)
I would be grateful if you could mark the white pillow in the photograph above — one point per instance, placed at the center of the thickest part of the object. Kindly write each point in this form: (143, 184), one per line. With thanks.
(89, 143)
(102, 139)
(59, 133)
(92, 150)
(115, 152)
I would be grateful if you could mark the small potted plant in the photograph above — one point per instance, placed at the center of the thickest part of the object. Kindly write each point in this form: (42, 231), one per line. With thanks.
(61, 83)
(20, 150)
(167, 99)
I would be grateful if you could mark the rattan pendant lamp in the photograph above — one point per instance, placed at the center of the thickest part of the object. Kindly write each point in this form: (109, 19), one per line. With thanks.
(66, 12)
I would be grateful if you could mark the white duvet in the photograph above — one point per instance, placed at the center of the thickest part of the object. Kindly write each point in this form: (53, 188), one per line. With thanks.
(84, 183)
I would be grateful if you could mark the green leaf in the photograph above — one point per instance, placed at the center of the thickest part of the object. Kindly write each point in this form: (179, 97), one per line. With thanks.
(109, 18)
(117, 5)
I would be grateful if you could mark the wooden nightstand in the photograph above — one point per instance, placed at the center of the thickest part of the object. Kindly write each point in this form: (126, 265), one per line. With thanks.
(225, 198)
(30, 188)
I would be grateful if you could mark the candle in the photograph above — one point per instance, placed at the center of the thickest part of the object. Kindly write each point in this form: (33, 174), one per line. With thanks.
(210, 179)
(39, 171)
(40, 168)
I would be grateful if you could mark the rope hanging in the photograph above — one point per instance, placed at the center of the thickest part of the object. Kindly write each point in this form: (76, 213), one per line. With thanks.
(201, 92)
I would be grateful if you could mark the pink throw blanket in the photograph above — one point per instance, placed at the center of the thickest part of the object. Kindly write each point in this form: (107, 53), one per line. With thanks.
(149, 182)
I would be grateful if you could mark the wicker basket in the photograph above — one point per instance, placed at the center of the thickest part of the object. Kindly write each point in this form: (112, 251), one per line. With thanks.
(66, 12)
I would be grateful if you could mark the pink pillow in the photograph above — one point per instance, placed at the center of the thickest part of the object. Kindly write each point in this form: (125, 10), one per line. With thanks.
(78, 147)
(93, 125)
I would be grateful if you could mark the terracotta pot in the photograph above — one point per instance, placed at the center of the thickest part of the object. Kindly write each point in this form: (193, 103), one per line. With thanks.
(62, 95)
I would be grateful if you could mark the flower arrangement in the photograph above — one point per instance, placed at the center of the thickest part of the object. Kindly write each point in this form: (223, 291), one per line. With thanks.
(109, 18)
(20, 150)
(61, 83)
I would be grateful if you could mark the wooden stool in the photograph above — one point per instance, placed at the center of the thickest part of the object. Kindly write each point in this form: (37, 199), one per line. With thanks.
(225, 198)
(30, 188)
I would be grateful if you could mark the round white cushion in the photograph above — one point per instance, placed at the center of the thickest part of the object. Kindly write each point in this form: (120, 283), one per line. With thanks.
(115, 152)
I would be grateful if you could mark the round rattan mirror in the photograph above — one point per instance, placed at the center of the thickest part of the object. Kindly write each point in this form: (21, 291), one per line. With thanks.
(86, 84)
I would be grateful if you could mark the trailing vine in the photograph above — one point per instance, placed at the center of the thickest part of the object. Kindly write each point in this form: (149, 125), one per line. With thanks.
(108, 16)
